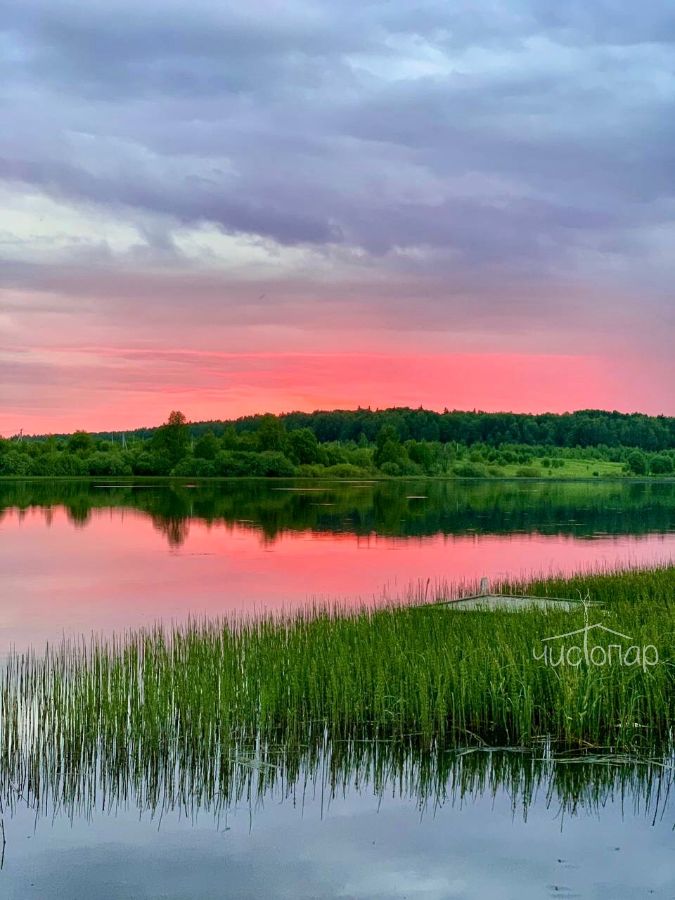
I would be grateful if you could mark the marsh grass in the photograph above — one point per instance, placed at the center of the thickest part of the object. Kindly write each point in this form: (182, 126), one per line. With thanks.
(211, 709)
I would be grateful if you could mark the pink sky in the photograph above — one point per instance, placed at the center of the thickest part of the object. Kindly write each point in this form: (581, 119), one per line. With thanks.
(105, 388)
(117, 344)
(210, 208)
(99, 349)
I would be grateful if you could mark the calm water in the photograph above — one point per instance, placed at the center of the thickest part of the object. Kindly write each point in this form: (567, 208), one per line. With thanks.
(81, 557)
(484, 834)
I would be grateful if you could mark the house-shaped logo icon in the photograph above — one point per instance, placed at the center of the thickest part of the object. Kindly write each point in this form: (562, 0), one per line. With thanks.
(576, 647)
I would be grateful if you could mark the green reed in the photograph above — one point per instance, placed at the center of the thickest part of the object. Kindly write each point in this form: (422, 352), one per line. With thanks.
(211, 706)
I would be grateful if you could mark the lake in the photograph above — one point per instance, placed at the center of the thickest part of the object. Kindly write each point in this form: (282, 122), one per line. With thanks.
(488, 828)
(99, 556)
(377, 823)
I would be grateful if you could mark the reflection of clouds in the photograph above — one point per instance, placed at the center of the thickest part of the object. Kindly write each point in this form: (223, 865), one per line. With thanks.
(351, 850)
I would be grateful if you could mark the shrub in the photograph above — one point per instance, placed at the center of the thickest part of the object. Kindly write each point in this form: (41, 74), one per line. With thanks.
(196, 467)
(207, 447)
(151, 463)
(233, 463)
(14, 463)
(346, 470)
(269, 463)
(390, 468)
(273, 463)
(470, 470)
(661, 465)
(107, 464)
(636, 462)
(58, 464)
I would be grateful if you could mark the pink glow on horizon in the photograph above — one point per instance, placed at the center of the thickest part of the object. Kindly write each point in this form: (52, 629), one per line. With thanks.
(99, 388)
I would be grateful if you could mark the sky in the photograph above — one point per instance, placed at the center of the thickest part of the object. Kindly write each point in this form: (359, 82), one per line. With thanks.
(230, 208)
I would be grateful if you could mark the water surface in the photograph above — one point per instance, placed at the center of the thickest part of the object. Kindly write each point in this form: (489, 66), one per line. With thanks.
(493, 832)
(77, 557)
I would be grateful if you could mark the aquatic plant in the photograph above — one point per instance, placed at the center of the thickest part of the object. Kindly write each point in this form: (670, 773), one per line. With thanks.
(200, 707)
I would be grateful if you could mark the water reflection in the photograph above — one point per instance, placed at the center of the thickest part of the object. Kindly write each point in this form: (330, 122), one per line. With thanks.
(81, 557)
(394, 508)
(502, 826)
(162, 783)
(381, 819)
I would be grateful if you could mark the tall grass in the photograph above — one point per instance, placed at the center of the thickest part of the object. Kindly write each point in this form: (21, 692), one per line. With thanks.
(204, 705)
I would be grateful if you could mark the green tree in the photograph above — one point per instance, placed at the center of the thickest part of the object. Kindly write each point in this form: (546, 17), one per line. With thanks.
(229, 440)
(661, 464)
(304, 447)
(80, 442)
(107, 464)
(422, 453)
(636, 461)
(207, 446)
(171, 440)
(389, 448)
(13, 462)
(271, 434)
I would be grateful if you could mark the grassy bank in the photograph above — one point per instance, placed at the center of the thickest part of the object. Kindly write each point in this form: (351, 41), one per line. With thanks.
(403, 699)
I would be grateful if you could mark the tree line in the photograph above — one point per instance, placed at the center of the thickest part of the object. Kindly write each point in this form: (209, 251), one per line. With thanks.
(399, 441)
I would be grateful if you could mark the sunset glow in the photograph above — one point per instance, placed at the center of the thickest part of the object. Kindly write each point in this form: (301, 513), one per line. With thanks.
(227, 212)
(140, 386)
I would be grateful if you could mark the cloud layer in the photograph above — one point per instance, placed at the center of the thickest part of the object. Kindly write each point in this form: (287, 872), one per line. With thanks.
(481, 178)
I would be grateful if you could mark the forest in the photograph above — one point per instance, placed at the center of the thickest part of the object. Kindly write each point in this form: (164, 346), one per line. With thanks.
(360, 443)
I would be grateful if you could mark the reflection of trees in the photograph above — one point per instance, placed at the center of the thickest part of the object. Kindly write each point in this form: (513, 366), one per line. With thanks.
(175, 529)
(79, 513)
(387, 508)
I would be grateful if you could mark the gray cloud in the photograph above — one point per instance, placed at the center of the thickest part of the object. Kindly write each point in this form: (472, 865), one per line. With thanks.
(487, 142)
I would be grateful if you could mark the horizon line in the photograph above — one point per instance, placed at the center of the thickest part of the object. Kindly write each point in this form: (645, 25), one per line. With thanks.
(377, 409)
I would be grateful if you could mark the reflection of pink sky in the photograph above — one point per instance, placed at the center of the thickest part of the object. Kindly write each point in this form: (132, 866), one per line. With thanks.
(118, 572)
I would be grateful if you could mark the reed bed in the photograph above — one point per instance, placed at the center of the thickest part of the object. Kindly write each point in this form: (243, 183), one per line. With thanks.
(210, 705)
